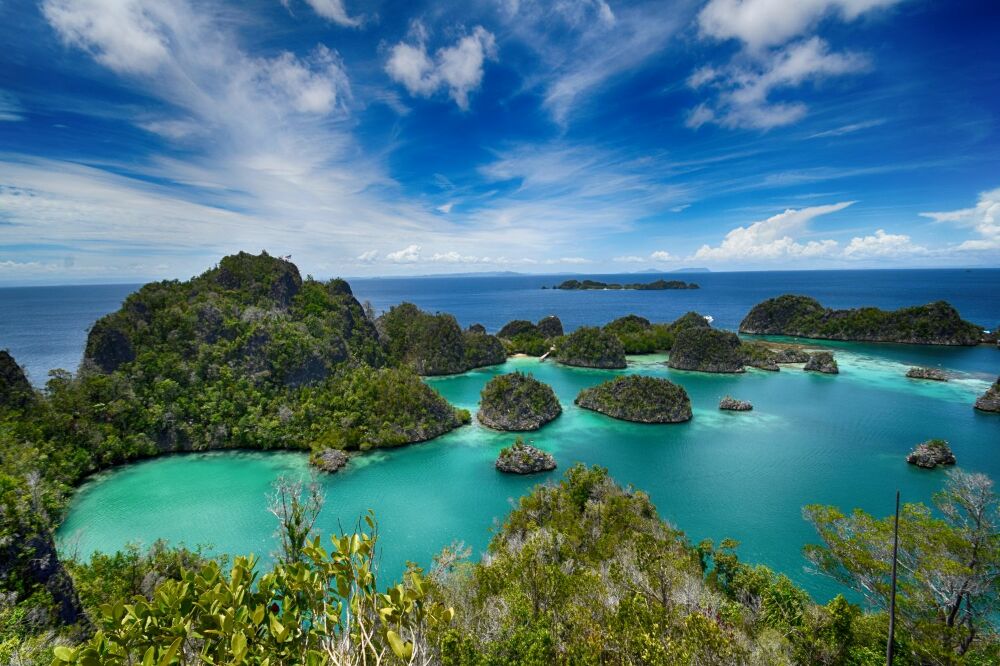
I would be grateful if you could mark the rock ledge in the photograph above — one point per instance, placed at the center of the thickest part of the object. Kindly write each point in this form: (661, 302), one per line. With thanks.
(931, 453)
(734, 405)
(521, 458)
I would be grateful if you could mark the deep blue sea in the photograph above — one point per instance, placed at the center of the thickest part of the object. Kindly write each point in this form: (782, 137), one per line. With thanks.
(46, 327)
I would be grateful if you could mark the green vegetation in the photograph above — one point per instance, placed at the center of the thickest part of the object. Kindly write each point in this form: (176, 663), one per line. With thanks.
(435, 344)
(949, 569)
(656, 285)
(706, 350)
(517, 402)
(638, 398)
(936, 323)
(246, 355)
(639, 336)
(590, 347)
(523, 337)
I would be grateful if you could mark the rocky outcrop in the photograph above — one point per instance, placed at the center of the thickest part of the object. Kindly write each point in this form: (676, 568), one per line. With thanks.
(434, 344)
(550, 327)
(930, 454)
(759, 355)
(28, 557)
(706, 350)
(108, 348)
(638, 398)
(15, 390)
(521, 458)
(589, 347)
(787, 355)
(822, 362)
(263, 276)
(517, 402)
(934, 374)
(518, 327)
(990, 401)
(734, 405)
(936, 323)
(476, 328)
(329, 460)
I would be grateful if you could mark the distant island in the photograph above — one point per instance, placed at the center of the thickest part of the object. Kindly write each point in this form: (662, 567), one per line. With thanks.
(936, 323)
(656, 285)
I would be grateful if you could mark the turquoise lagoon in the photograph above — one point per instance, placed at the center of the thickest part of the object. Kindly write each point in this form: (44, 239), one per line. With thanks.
(810, 439)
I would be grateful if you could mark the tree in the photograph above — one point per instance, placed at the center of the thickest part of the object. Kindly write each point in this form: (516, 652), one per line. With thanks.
(949, 566)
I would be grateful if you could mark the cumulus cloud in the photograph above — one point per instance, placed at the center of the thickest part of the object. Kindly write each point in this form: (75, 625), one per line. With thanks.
(882, 244)
(743, 90)
(661, 255)
(983, 218)
(778, 53)
(763, 23)
(368, 257)
(408, 255)
(774, 238)
(457, 68)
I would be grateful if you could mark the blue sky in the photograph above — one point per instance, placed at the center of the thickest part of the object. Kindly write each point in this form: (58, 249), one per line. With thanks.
(145, 139)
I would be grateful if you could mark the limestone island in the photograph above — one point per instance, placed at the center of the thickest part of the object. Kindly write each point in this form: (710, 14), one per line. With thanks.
(822, 362)
(638, 335)
(590, 347)
(434, 344)
(594, 285)
(732, 404)
(638, 398)
(329, 460)
(931, 453)
(186, 365)
(521, 458)
(534, 339)
(933, 374)
(936, 323)
(517, 402)
(990, 401)
(706, 350)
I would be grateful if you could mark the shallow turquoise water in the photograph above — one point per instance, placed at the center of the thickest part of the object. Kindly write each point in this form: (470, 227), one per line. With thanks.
(811, 438)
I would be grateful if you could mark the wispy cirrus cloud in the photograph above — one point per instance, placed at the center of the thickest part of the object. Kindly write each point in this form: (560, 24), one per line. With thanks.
(983, 218)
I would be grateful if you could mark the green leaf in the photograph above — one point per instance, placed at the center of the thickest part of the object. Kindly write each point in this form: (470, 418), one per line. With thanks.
(63, 653)
(402, 649)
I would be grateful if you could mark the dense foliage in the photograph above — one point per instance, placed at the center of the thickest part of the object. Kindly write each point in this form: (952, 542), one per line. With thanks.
(590, 347)
(434, 344)
(639, 336)
(584, 572)
(706, 350)
(656, 285)
(949, 569)
(521, 336)
(936, 323)
(245, 355)
(638, 398)
(517, 401)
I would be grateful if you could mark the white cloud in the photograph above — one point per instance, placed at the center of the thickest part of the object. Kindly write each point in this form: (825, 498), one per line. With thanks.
(661, 255)
(882, 244)
(763, 23)
(774, 238)
(457, 68)
(408, 255)
(630, 259)
(332, 10)
(744, 89)
(984, 219)
(368, 257)
(446, 208)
